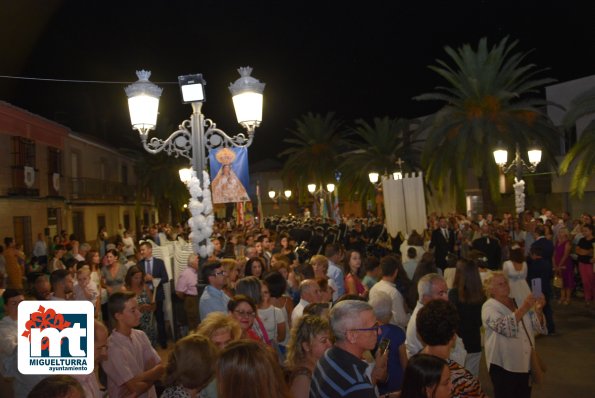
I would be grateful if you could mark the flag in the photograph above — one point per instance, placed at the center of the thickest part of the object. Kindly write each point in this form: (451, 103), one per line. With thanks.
(259, 207)
(240, 211)
(323, 209)
(336, 214)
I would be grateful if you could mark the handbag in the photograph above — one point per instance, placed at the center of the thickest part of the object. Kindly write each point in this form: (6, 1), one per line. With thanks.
(538, 367)
(557, 281)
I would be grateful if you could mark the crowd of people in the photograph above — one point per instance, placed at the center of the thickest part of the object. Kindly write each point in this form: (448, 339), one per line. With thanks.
(307, 308)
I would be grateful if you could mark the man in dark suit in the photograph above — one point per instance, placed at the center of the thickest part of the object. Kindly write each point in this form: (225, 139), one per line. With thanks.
(489, 245)
(155, 268)
(443, 242)
(539, 265)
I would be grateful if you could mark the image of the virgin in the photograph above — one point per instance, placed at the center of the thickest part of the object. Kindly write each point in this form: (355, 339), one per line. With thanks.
(226, 186)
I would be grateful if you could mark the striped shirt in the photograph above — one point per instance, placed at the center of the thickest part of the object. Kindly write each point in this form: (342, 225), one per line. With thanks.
(464, 384)
(340, 374)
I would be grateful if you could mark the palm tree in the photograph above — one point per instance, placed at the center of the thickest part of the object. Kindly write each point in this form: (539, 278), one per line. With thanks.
(312, 155)
(377, 147)
(582, 151)
(492, 96)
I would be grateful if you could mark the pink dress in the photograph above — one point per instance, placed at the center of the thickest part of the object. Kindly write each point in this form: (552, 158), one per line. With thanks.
(359, 286)
(568, 272)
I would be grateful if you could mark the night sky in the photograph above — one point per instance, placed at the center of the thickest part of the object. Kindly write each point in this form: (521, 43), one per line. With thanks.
(359, 61)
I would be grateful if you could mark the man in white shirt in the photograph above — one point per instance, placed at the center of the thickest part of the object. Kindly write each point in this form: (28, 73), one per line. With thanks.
(40, 250)
(309, 293)
(390, 267)
(430, 287)
(334, 254)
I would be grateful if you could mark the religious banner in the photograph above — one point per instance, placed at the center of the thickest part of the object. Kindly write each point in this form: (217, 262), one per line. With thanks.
(404, 204)
(229, 175)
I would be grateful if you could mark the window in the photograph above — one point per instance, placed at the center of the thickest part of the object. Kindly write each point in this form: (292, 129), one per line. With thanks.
(24, 180)
(23, 152)
(54, 161)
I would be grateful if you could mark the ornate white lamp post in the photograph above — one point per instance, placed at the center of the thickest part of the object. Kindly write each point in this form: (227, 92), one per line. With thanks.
(195, 136)
(501, 157)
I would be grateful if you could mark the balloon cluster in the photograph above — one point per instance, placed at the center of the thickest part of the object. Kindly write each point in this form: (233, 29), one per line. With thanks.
(201, 208)
(519, 195)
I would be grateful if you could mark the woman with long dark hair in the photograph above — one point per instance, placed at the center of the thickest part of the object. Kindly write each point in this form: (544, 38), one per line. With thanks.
(113, 276)
(255, 267)
(353, 266)
(468, 296)
(426, 376)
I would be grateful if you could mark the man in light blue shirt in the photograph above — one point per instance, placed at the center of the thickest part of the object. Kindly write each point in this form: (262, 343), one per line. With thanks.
(334, 253)
(213, 299)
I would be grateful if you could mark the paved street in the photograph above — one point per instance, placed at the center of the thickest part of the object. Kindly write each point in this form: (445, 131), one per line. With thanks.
(569, 355)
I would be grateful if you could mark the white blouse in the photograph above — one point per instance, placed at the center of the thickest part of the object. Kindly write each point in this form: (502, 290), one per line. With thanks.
(506, 343)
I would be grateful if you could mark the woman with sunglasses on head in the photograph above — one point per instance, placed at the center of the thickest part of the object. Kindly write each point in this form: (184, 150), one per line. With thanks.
(251, 287)
(243, 309)
(310, 338)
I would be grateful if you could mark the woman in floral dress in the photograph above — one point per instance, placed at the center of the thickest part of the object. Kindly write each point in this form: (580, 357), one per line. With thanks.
(134, 282)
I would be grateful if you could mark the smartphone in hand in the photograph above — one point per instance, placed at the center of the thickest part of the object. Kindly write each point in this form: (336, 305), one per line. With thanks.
(383, 345)
(536, 287)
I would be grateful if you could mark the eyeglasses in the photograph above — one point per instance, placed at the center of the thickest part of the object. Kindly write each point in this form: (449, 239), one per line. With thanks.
(244, 314)
(220, 273)
(372, 329)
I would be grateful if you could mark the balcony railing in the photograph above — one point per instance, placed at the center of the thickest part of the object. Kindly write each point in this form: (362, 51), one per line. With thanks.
(96, 189)
(19, 188)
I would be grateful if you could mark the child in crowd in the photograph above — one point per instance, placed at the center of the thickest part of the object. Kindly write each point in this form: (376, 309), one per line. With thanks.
(133, 366)
(86, 289)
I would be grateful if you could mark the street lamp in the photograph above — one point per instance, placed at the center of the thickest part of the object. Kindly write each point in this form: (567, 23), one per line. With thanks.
(330, 188)
(274, 195)
(373, 176)
(397, 175)
(195, 136)
(501, 157)
(320, 193)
